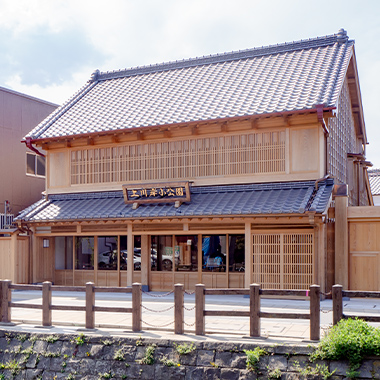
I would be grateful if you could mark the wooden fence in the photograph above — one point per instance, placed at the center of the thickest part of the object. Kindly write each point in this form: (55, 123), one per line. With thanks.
(337, 295)
(254, 314)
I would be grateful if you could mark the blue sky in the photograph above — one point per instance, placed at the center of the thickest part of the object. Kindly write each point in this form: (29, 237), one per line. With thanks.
(49, 48)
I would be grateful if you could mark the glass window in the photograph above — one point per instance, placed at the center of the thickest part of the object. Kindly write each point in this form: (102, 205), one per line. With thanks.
(214, 253)
(107, 252)
(35, 164)
(136, 253)
(186, 253)
(162, 253)
(236, 250)
(64, 252)
(84, 253)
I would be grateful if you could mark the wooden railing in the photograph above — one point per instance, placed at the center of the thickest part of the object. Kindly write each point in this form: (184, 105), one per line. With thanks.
(337, 295)
(47, 307)
(254, 313)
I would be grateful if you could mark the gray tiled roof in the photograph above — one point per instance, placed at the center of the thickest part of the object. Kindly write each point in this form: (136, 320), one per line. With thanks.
(244, 200)
(279, 78)
(374, 181)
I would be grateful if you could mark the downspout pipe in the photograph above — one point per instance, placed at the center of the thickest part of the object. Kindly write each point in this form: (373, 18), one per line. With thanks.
(28, 143)
(319, 108)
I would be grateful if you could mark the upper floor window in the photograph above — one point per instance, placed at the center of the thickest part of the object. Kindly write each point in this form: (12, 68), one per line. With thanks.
(35, 164)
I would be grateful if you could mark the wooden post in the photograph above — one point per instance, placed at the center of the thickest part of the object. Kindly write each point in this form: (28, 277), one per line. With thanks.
(90, 303)
(46, 303)
(1, 300)
(341, 241)
(248, 255)
(199, 309)
(337, 303)
(254, 310)
(6, 298)
(178, 309)
(136, 306)
(315, 303)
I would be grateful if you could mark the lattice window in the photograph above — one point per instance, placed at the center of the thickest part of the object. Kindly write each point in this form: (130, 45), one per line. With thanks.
(185, 159)
(283, 260)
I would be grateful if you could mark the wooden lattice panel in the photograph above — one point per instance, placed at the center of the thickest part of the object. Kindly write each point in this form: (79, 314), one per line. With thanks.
(235, 155)
(283, 260)
(342, 136)
(267, 260)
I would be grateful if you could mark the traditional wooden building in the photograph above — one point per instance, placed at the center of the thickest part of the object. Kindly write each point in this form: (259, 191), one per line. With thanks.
(217, 170)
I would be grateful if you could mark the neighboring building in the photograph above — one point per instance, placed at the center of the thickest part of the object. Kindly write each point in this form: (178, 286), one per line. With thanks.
(218, 170)
(374, 180)
(22, 171)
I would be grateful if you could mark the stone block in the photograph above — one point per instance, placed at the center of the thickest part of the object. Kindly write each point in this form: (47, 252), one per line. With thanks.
(188, 359)
(194, 373)
(169, 373)
(223, 359)
(277, 362)
(205, 358)
(229, 374)
(102, 366)
(239, 360)
(340, 368)
(40, 346)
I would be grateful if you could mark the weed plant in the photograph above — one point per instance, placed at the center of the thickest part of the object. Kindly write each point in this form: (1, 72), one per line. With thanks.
(253, 358)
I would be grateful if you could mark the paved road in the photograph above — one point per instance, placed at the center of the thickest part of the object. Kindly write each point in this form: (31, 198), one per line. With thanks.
(158, 315)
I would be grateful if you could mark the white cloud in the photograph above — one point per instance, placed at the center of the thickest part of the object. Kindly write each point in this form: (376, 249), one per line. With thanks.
(50, 48)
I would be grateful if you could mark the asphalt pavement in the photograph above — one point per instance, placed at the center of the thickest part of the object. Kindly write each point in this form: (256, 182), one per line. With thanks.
(158, 316)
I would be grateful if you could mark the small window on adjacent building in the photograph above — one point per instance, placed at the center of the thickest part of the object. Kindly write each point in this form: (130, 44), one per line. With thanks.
(35, 164)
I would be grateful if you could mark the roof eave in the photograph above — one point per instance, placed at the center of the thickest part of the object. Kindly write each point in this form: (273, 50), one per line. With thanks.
(191, 123)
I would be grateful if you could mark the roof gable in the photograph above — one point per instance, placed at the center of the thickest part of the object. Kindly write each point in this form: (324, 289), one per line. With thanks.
(282, 78)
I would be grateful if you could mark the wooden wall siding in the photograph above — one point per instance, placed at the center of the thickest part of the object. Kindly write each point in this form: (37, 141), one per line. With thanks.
(256, 152)
(14, 267)
(215, 280)
(236, 280)
(161, 281)
(364, 255)
(283, 260)
(342, 137)
(43, 260)
(188, 279)
(5, 258)
(22, 260)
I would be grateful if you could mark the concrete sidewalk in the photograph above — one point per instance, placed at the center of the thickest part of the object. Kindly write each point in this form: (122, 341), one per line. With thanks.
(158, 316)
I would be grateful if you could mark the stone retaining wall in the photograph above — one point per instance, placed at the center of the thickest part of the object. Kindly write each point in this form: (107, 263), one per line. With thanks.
(46, 356)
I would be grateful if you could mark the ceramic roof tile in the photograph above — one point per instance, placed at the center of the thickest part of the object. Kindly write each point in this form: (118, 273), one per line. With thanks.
(285, 77)
(252, 199)
(374, 181)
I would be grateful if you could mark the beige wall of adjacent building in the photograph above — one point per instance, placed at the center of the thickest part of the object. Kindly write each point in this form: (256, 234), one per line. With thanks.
(19, 114)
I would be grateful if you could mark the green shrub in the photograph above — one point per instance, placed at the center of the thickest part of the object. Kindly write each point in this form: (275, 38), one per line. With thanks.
(350, 339)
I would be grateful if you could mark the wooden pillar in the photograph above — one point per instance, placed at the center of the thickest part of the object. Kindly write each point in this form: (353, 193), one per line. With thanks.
(136, 307)
(178, 309)
(145, 261)
(90, 304)
(320, 255)
(315, 302)
(248, 275)
(14, 260)
(46, 303)
(341, 241)
(6, 296)
(34, 255)
(130, 250)
(337, 303)
(199, 309)
(254, 310)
